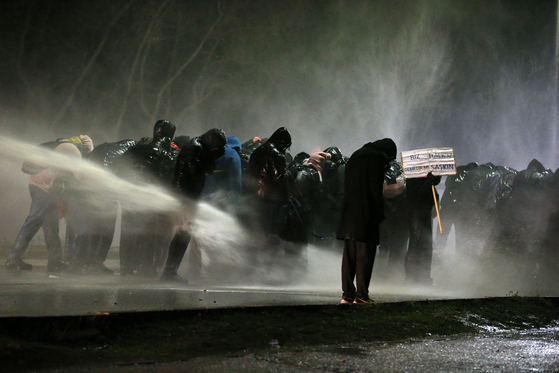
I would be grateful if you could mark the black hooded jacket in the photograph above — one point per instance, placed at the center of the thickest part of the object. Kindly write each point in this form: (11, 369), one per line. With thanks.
(151, 159)
(267, 167)
(197, 159)
(108, 153)
(531, 186)
(363, 207)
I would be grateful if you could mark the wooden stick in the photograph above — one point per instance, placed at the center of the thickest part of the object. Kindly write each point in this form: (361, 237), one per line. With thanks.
(437, 208)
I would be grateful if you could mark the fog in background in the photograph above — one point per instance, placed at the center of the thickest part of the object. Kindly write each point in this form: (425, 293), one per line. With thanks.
(475, 75)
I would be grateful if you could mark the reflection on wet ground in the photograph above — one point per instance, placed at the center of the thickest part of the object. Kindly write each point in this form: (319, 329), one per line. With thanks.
(35, 293)
(527, 351)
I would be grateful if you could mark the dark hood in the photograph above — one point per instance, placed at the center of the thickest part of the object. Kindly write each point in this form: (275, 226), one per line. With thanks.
(181, 141)
(536, 166)
(214, 141)
(386, 146)
(162, 129)
(281, 139)
(335, 152)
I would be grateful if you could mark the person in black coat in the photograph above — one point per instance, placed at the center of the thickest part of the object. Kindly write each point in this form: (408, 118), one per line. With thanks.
(527, 213)
(196, 159)
(420, 203)
(266, 180)
(102, 220)
(394, 232)
(451, 206)
(142, 238)
(362, 213)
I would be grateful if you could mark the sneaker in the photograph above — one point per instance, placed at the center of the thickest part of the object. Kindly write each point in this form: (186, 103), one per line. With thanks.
(18, 264)
(363, 301)
(347, 300)
(56, 266)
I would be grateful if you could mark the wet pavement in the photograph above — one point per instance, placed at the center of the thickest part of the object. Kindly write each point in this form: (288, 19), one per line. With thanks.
(535, 350)
(35, 293)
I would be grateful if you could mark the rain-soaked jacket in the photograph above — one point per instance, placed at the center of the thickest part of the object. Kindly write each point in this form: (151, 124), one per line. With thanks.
(454, 184)
(531, 190)
(483, 186)
(363, 207)
(451, 202)
(267, 167)
(533, 180)
(151, 159)
(226, 176)
(108, 153)
(480, 187)
(196, 159)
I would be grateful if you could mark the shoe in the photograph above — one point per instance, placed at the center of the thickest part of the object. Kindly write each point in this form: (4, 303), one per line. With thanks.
(56, 266)
(18, 264)
(347, 300)
(363, 301)
(173, 277)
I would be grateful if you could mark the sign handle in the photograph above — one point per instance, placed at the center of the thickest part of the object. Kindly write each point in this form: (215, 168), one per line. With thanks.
(437, 208)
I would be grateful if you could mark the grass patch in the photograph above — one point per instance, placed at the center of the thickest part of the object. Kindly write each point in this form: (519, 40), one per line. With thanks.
(48, 342)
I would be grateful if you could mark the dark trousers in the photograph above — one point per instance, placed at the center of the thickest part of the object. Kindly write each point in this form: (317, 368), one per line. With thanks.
(144, 241)
(394, 234)
(420, 248)
(42, 214)
(101, 232)
(76, 226)
(137, 236)
(357, 264)
(177, 248)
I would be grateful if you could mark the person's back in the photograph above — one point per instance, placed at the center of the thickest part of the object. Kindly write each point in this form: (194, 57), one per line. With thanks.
(362, 213)
(420, 205)
(102, 218)
(47, 187)
(267, 166)
(363, 207)
(226, 176)
(195, 160)
(52, 180)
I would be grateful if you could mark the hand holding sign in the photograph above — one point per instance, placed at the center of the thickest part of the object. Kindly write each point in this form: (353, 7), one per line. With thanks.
(439, 161)
(418, 163)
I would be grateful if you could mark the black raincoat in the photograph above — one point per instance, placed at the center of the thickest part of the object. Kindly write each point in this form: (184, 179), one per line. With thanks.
(363, 208)
(267, 167)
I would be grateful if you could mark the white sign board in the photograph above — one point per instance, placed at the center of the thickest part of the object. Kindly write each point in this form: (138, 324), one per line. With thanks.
(418, 163)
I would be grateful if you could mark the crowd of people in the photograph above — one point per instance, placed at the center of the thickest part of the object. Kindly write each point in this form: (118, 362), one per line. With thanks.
(364, 200)
(504, 216)
(211, 167)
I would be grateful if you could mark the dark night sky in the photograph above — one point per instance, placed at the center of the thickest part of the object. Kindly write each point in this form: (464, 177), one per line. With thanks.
(475, 75)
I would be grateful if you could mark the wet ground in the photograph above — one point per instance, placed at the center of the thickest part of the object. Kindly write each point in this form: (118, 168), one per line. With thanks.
(36, 294)
(535, 350)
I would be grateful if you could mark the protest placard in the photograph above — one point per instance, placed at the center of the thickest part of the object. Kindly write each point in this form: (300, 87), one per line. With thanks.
(419, 162)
